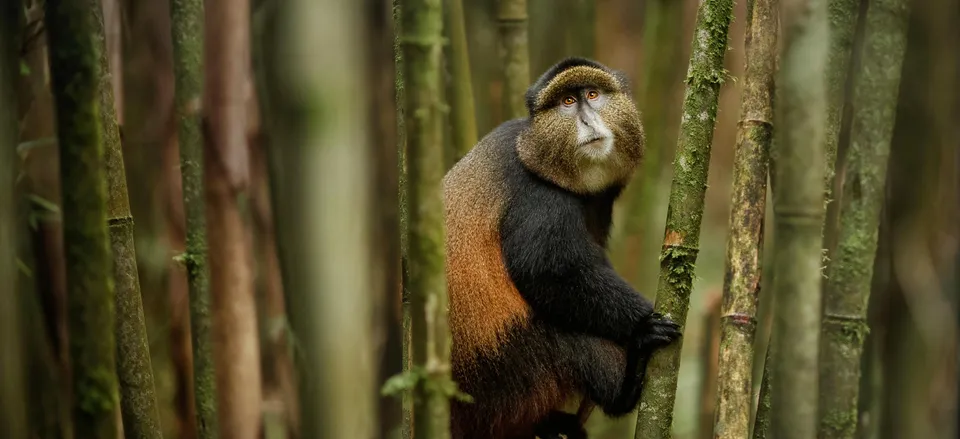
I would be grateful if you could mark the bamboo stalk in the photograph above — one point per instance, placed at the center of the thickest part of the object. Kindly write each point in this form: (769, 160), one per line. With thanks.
(842, 16)
(685, 212)
(761, 426)
(422, 27)
(75, 75)
(847, 289)
(464, 122)
(745, 242)
(186, 17)
(13, 413)
(709, 368)
(406, 328)
(225, 182)
(138, 401)
(798, 172)
(515, 55)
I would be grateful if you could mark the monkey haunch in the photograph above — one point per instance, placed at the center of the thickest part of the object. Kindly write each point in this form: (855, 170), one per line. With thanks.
(537, 313)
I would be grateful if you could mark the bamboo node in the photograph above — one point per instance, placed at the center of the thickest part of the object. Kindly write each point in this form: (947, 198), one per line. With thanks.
(121, 221)
(740, 319)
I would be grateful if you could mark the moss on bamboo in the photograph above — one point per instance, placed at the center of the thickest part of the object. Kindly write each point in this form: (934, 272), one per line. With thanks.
(73, 58)
(421, 41)
(742, 280)
(685, 210)
(843, 23)
(847, 288)
(512, 19)
(186, 17)
(798, 217)
(464, 128)
(138, 402)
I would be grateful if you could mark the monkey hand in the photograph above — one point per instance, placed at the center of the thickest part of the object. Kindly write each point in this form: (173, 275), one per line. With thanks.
(656, 332)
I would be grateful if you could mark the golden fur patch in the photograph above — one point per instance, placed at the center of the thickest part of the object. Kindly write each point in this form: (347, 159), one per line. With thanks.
(483, 299)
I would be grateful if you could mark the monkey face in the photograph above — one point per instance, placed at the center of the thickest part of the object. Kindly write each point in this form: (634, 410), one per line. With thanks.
(585, 133)
(594, 140)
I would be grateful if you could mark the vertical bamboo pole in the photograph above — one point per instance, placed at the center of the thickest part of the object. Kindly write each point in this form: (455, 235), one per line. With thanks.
(745, 242)
(515, 55)
(685, 212)
(847, 289)
(798, 170)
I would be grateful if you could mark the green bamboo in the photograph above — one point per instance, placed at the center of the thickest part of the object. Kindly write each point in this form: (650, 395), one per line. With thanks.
(798, 170)
(515, 59)
(421, 41)
(463, 118)
(13, 413)
(847, 289)
(332, 285)
(685, 212)
(186, 29)
(745, 242)
(75, 75)
(843, 25)
(138, 401)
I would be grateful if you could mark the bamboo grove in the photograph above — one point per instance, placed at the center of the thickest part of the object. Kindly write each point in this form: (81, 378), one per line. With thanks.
(228, 219)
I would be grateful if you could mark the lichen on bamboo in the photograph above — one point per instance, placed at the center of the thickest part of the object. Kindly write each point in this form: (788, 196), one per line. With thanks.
(684, 214)
(847, 288)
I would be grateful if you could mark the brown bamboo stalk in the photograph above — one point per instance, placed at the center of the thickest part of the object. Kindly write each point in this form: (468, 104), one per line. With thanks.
(745, 242)
(225, 179)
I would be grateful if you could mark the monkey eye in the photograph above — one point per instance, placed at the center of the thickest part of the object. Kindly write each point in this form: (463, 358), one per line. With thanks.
(593, 94)
(569, 100)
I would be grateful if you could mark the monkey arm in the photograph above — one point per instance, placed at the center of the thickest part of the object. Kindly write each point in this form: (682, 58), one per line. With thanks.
(563, 273)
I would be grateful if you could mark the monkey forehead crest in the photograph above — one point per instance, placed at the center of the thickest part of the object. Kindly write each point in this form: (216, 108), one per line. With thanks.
(569, 75)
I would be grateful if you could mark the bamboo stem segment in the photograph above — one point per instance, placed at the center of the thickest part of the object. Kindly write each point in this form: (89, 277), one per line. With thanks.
(847, 289)
(798, 171)
(681, 238)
